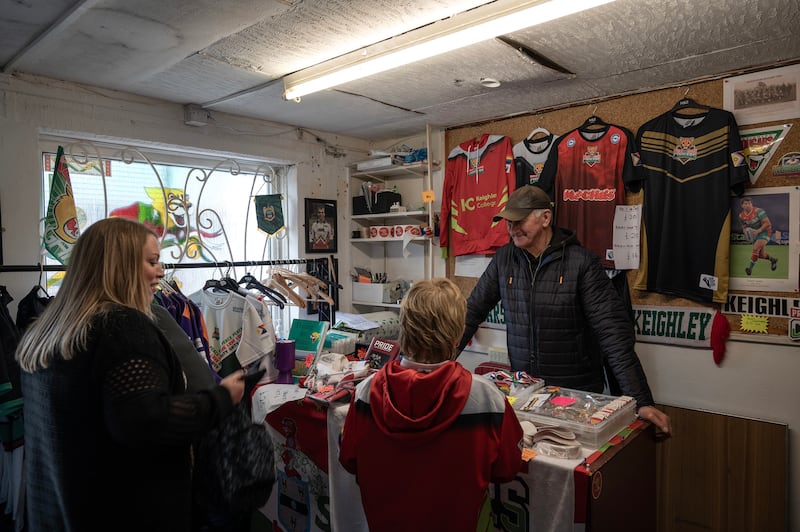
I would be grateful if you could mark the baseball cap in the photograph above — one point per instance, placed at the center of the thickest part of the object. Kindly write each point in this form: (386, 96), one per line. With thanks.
(522, 201)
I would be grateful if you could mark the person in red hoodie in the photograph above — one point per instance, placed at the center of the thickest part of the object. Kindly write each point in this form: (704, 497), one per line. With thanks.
(425, 428)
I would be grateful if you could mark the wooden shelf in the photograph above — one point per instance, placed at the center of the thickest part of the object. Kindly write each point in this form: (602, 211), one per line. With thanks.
(378, 240)
(373, 304)
(384, 215)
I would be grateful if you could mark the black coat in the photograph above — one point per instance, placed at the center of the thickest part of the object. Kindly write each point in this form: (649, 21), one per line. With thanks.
(107, 434)
(562, 317)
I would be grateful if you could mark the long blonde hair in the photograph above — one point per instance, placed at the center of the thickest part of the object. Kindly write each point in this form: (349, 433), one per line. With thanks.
(105, 269)
(432, 318)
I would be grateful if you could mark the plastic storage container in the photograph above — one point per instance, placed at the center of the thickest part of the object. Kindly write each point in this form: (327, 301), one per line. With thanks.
(594, 418)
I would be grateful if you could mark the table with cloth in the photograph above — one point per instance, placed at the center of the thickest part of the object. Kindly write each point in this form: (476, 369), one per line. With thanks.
(314, 493)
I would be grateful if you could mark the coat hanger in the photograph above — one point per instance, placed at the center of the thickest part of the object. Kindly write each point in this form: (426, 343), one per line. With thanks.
(216, 284)
(544, 132)
(290, 281)
(593, 124)
(251, 283)
(40, 286)
(301, 278)
(283, 286)
(688, 103)
(166, 288)
(315, 293)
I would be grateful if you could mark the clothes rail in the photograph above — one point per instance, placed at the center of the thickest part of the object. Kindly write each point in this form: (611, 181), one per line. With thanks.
(166, 265)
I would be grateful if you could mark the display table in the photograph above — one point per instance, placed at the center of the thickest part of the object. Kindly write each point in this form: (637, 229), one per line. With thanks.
(314, 492)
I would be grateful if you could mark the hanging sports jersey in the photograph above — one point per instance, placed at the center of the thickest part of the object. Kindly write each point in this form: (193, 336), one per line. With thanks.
(586, 174)
(690, 165)
(479, 177)
(530, 156)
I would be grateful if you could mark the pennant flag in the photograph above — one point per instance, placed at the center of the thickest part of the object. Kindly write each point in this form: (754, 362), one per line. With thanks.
(269, 213)
(760, 145)
(61, 222)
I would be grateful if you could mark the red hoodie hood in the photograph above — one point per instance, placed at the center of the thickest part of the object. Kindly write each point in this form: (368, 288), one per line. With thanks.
(412, 405)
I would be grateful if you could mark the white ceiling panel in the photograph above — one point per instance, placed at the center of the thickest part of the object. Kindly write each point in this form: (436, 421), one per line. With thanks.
(231, 56)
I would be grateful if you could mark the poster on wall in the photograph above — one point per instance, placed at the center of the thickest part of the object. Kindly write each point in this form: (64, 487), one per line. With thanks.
(764, 96)
(765, 223)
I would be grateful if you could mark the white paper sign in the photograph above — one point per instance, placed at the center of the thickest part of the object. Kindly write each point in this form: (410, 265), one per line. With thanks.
(626, 236)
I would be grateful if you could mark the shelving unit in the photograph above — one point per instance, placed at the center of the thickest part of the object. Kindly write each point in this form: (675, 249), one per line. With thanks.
(398, 258)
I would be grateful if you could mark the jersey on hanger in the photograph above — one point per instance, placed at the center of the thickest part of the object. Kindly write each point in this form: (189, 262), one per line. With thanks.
(529, 158)
(479, 177)
(690, 166)
(586, 174)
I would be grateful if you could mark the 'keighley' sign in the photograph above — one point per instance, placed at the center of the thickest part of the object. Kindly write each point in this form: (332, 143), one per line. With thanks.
(689, 326)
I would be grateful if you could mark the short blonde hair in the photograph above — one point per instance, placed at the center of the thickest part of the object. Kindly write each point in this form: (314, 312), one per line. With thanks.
(106, 268)
(432, 318)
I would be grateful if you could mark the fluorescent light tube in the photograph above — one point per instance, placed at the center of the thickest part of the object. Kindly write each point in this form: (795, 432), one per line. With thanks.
(479, 24)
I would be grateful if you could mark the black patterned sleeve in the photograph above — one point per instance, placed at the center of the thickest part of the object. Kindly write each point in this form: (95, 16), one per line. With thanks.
(141, 386)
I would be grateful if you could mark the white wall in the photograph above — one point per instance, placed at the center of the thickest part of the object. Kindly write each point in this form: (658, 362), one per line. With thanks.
(30, 105)
(756, 380)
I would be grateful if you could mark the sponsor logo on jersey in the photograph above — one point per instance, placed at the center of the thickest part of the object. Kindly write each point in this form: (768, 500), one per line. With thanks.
(475, 168)
(591, 194)
(738, 159)
(685, 151)
(591, 156)
(533, 178)
(570, 143)
(615, 138)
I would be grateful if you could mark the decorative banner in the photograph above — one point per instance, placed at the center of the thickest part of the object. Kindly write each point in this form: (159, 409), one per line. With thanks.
(759, 146)
(61, 222)
(269, 213)
(689, 326)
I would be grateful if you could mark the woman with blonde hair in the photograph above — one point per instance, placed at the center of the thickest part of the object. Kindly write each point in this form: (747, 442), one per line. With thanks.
(108, 425)
(424, 426)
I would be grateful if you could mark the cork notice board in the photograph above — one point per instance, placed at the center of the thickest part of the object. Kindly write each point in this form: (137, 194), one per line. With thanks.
(631, 112)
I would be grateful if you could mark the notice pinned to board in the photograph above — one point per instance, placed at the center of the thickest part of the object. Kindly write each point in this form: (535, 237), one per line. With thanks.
(626, 237)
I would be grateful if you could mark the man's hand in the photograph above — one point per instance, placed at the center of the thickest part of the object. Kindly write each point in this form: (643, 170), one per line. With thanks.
(657, 418)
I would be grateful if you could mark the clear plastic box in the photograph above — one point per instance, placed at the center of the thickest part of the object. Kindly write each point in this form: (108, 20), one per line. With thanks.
(594, 418)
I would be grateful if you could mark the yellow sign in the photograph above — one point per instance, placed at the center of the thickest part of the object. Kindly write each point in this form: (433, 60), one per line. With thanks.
(754, 323)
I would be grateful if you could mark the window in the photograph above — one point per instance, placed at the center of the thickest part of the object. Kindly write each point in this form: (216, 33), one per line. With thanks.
(201, 205)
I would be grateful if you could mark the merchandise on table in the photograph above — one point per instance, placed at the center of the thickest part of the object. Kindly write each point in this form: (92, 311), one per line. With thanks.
(517, 385)
(593, 417)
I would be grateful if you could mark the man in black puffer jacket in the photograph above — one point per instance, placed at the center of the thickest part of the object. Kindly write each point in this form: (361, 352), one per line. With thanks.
(562, 313)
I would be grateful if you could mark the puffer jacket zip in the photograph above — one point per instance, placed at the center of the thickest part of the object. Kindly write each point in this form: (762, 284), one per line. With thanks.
(546, 258)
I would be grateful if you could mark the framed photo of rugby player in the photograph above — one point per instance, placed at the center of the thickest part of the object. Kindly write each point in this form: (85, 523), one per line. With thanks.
(320, 228)
(765, 223)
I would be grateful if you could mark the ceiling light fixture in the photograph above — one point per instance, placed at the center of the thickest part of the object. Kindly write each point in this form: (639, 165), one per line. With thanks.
(480, 24)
